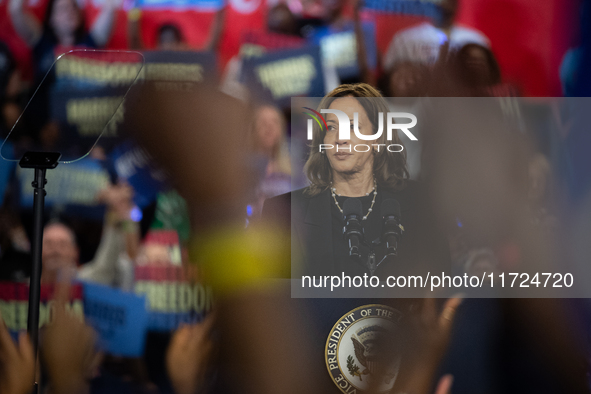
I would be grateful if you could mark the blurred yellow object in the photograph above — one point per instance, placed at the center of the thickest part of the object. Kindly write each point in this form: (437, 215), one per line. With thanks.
(234, 258)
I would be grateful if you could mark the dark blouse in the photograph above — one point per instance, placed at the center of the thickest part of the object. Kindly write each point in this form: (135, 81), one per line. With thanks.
(316, 229)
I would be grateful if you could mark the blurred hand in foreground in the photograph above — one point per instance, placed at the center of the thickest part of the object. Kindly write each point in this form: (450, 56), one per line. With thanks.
(444, 385)
(188, 356)
(199, 136)
(68, 348)
(433, 331)
(17, 363)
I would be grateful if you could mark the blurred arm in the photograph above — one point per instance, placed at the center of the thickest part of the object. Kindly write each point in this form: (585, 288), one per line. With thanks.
(365, 73)
(134, 38)
(103, 268)
(26, 25)
(217, 29)
(103, 25)
(397, 51)
(120, 234)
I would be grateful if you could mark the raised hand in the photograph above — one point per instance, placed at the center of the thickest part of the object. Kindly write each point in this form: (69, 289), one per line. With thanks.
(188, 356)
(119, 200)
(432, 332)
(17, 363)
(68, 349)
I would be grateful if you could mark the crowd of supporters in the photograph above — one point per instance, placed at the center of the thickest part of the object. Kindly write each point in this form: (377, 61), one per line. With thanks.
(428, 59)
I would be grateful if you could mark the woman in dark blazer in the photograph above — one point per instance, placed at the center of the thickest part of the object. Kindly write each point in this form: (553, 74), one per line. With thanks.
(340, 173)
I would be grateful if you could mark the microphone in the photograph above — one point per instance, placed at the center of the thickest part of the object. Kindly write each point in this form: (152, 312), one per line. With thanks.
(391, 228)
(353, 231)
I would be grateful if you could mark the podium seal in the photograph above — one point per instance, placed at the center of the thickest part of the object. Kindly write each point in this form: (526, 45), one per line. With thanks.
(362, 349)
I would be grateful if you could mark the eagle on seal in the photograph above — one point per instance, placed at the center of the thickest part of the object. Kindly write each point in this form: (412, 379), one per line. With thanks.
(374, 352)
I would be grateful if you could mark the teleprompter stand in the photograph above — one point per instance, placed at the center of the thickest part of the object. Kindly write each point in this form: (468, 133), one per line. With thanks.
(41, 162)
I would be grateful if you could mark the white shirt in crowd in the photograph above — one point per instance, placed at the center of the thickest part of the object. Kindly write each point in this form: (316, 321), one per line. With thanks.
(421, 43)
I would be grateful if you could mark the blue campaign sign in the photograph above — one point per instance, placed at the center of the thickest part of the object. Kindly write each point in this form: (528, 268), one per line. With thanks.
(180, 66)
(281, 75)
(180, 4)
(429, 9)
(133, 164)
(76, 183)
(93, 69)
(120, 319)
(85, 115)
(339, 48)
(172, 299)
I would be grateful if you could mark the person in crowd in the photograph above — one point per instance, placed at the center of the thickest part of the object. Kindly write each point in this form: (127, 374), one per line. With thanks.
(476, 67)
(281, 20)
(63, 28)
(15, 257)
(405, 79)
(370, 177)
(477, 73)
(119, 242)
(169, 36)
(425, 42)
(10, 91)
(269, 139)
(335, 21)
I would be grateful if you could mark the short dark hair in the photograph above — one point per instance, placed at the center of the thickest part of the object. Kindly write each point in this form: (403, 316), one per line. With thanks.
(491, 61)
(176, 31)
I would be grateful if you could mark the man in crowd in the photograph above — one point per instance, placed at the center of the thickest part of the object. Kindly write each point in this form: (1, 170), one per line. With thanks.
(424, 43)
(110, 265)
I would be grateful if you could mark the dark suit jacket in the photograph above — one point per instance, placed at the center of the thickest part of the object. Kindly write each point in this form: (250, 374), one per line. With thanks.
(422, 248)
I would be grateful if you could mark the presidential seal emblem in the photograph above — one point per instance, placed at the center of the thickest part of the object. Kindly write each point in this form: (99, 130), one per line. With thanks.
(362, 351)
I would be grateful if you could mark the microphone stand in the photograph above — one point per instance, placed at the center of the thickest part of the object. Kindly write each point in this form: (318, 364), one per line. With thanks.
(41, 162)
(371, 263)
